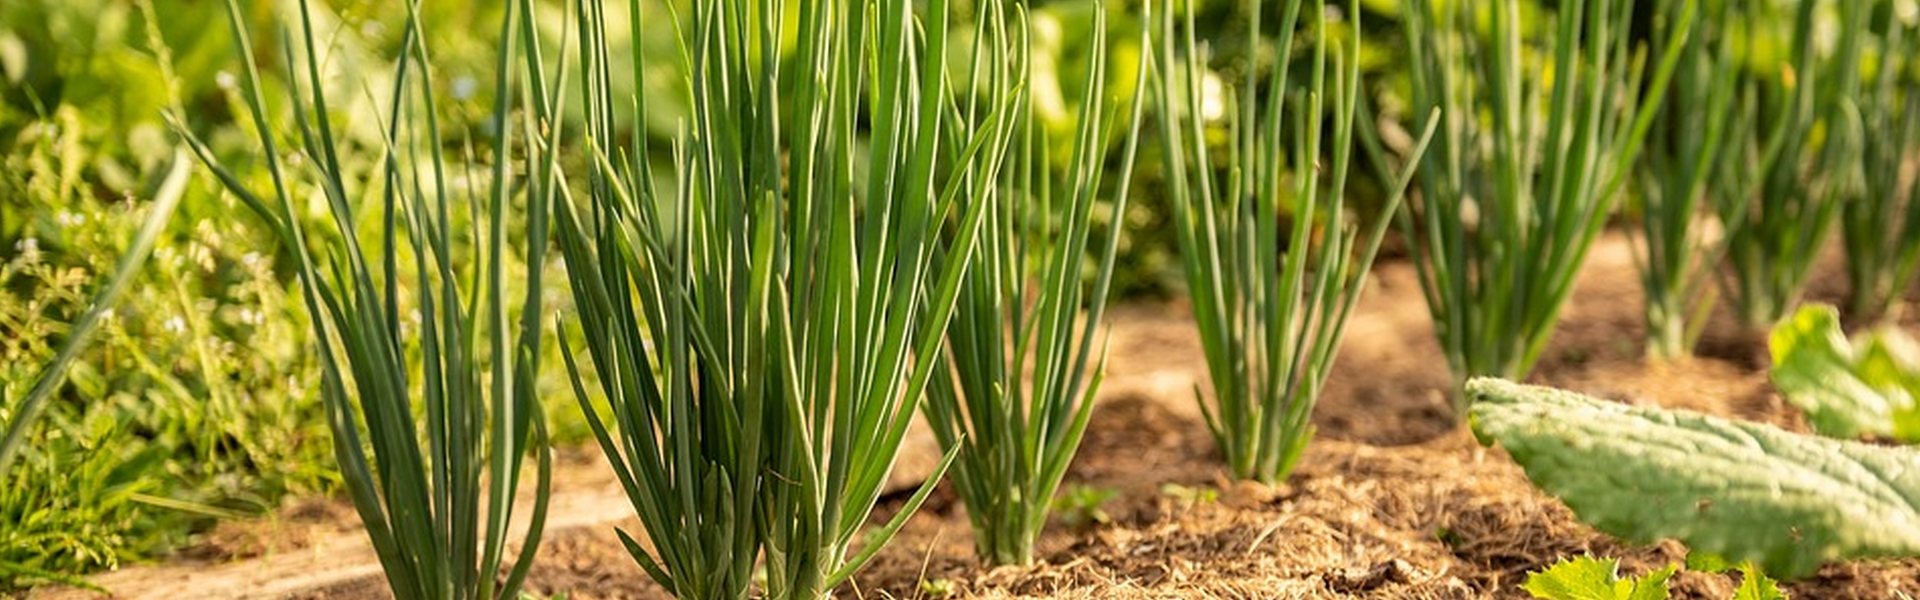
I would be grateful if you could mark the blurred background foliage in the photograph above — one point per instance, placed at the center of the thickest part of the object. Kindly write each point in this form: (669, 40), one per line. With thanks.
(200, 401)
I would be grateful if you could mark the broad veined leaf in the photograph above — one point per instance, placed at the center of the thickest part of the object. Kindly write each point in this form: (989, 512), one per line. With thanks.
(1589, 578)
(1848, 388)
(1745, 491)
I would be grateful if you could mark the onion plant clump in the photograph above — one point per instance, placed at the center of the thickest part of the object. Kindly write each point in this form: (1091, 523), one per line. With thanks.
(1881, 225)
(1680, 252)
(764, 323)
(1030, 298)
(1271, 301)
(432, 416)
(1793, 159)
(1533, 147)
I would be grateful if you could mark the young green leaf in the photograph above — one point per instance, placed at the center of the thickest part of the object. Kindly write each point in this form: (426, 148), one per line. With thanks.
(1755, 585)
(1746, 491)
(1080, 506)
(1708, 562)
(1848, 388)
(1589, 578)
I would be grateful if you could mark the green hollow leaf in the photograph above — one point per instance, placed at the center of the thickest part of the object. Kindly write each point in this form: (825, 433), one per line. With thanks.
(1749, 492)
(1848, 388)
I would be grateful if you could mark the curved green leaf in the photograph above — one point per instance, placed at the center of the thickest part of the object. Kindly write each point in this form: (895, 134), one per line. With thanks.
(1848, 388)
(1745, 491)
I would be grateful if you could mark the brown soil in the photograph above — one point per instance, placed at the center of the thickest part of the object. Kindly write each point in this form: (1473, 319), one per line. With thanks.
(1391, 501)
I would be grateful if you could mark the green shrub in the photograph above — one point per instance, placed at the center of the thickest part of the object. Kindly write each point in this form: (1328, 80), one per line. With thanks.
(71, 483)
(74, 500)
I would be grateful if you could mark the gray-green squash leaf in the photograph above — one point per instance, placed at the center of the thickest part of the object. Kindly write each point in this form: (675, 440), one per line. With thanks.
(1745, 491)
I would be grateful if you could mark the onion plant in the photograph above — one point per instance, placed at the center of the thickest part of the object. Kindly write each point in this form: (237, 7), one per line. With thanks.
(434, 415)
(1792, 159)
(1677, 265)
(1882, 224)
(1031, 298)
(1271, 301)
(764, 323)
(1527, 164)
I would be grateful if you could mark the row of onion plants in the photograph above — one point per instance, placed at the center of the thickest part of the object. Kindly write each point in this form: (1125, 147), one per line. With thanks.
(858, 221)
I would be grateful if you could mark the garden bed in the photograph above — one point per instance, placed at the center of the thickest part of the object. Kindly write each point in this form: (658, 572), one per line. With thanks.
(1391, 501)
